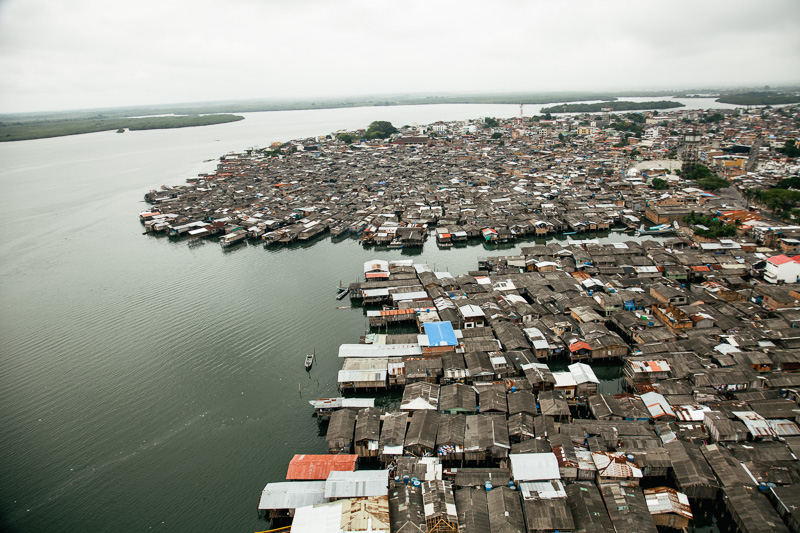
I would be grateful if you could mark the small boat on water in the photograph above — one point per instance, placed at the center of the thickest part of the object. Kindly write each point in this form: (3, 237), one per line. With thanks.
(310, 360)
(342, 294)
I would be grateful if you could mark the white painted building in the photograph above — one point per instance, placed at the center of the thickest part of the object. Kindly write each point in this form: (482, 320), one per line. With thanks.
(782, 268)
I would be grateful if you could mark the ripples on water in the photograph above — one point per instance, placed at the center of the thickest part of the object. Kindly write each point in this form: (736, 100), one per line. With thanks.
(150, 384)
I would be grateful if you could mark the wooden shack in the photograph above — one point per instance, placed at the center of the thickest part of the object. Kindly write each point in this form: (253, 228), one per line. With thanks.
(472, 509)
(691, 473)
(486, 438)
(421, 435)
(588, 510)
(520, 427)
(420, 396)
(492, 398)
(450, 437)
(457, 398)
(439, 507)
(406, 510)
(553, 404)
(340, 431)
(627, 507)
(367, 433)
(393, 436)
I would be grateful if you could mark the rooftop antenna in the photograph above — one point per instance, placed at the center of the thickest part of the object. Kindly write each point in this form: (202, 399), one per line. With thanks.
(521, 110)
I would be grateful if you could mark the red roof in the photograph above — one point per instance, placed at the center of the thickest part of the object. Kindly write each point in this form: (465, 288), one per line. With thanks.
(780, 260)
(701, 268)
(317, 467)
(580, 345)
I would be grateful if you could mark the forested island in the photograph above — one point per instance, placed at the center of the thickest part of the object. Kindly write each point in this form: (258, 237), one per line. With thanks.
(58, 127)
(615, 106)
(759, 98)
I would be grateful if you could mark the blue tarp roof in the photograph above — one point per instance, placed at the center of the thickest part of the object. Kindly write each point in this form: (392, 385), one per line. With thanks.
(440, 334)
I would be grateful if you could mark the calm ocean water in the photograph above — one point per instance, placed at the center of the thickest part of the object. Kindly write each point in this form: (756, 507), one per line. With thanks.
(157, 385)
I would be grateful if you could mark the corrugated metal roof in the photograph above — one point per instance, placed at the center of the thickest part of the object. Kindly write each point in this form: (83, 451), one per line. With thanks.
(756, 424)
(564, 379)
(379, 350)
(614, 466)
(583, 373)
(322, 518)
(534, 466)
(308, 467)
(658, 365)
(361, 483)
(657, 405)
(291, 494)
(542, 490)
(784, 428)
(361, 375)
(666, 500)
(335, 403)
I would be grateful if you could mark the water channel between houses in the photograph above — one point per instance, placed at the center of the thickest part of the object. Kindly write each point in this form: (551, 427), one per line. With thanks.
(157, 385)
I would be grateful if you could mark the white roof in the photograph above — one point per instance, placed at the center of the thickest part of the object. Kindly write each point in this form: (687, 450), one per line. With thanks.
(358, 484)
(657, 404)
(361, 375)
(564, 379)
(534, 333)
(726, 349)
(322, 518)
(542, 490)
(583, 373)
(540, 344)
(369, 293)
(534, 466)
(292, 494)
(379, 350)
(469, 311)
(417, 295)
(376, 264)
(393, 450)
(418, 404)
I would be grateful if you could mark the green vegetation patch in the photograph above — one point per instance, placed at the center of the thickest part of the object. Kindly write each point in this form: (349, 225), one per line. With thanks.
(380, 129)
(659, 184)
(615, 106)
(759, 98)
(41, 129)
(706, 179)
(713, 227)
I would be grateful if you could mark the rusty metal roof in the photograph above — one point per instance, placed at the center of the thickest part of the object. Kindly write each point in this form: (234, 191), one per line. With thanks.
(309, 467)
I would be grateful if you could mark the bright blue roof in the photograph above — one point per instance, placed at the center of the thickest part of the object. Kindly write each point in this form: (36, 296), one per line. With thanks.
(440, 334)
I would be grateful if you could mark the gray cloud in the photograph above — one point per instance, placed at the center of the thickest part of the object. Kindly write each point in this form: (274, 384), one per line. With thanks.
(92, 53)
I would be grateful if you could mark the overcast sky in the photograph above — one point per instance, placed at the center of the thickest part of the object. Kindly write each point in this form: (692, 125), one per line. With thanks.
(68, 54)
